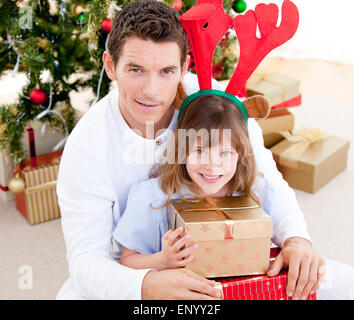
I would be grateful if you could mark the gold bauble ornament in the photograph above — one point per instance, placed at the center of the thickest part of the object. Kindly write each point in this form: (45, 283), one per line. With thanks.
(16, 184)
(78, 8)
(44, 44)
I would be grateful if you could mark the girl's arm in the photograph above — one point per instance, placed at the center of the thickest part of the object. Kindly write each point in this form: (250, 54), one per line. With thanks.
(171, 256)
(136, 260)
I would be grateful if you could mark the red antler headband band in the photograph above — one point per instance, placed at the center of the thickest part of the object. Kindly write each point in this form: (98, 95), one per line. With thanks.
(206, 23)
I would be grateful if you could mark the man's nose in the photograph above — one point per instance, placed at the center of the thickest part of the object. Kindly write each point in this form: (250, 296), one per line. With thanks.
(151, 86)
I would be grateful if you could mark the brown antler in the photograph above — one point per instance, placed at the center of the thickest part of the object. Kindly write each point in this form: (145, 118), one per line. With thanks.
(252, 49)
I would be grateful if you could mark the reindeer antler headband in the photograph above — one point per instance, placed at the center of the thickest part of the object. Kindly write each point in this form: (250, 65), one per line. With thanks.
(206, 23)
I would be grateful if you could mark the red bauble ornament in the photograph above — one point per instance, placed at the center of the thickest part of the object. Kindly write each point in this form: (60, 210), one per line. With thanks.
(38, 96)
(177, 4)
(106, 25)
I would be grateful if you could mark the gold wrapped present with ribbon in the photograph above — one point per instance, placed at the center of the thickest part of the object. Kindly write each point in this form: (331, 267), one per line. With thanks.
(309, 158)
(233, 235)
(38, 202)
(281, 90)
(273, 126)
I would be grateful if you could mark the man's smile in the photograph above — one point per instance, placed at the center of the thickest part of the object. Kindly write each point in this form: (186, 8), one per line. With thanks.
(147, 105)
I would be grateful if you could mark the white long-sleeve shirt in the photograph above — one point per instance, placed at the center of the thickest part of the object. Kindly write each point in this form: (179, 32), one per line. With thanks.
(95, 175)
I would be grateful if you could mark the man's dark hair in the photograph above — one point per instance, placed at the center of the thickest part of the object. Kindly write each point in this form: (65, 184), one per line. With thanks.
(147, 20)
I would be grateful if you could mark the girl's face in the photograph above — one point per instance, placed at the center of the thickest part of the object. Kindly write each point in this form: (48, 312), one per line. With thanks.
(212, 168)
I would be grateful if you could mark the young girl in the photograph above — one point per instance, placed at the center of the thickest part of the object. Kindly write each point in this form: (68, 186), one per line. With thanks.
(217, 160)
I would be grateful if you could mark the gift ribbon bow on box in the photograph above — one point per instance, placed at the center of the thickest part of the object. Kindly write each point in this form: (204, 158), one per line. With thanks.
(264, 76)
(41, 187)
(228, 223)
(301, 141)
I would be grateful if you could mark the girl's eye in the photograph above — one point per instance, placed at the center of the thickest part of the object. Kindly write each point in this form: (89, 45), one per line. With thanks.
(200, 152)
(226, 153)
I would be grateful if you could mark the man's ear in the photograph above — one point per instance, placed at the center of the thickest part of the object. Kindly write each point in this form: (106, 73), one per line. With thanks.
(185, 67)
(109, 65)
(257, 107)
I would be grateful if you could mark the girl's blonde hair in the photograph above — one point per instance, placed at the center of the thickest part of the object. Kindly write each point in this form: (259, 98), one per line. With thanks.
(203, 115)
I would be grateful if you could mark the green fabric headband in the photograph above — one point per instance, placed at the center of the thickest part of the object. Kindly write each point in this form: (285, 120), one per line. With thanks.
(214, 92)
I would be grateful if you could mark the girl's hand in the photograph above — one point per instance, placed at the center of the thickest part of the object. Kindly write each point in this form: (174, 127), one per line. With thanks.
(171, 254)
(306, 268)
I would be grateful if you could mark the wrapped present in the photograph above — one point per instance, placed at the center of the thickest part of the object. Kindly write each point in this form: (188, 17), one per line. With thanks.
(38, 202)
(281, 90)
(276, 122)
(34, 143)
(257, 287)
(233, 234)
(309, 159)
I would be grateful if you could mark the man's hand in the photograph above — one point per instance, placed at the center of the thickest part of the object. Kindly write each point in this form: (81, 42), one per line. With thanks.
(178, 284)
(305, 267)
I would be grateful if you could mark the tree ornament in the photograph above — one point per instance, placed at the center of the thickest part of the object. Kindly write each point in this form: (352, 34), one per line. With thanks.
(106, 25)
(16, 184)
(44, 44)
(38, 96)
(239, 6)
(82, 18)
(177, 5)
(53, 7)
(78, 8)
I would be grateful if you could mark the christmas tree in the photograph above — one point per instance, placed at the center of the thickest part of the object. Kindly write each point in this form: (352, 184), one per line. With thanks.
(59, 46)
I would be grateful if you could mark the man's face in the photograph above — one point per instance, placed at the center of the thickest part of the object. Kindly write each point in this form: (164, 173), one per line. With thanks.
(147, 76)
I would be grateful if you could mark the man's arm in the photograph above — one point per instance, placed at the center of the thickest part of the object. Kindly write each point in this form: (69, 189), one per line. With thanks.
(305, 266)
(87, 220)
(87, 223)
(278, 199)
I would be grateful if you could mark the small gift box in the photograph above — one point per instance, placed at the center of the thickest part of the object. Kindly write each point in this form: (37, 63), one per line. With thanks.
(233, 235)
(38, 202)
(276, 122)
(309, 159)
(34, 143)
(257, 287)
(281, 90)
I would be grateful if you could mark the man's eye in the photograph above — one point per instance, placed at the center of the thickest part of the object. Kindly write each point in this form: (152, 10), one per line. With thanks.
(167, 71)
(135, 70)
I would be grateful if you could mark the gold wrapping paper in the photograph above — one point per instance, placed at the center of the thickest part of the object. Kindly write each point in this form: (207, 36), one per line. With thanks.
(40, 194)
(276, 123)
(276, 87)
(310, 159)
(233, 243)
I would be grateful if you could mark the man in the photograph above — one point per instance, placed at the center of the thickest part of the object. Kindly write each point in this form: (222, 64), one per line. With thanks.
(147, 58)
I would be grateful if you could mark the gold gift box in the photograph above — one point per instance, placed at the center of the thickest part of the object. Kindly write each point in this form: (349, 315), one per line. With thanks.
(277, 121)
(276, 87)
(39, 203)
(233, 235)
(320, 163)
